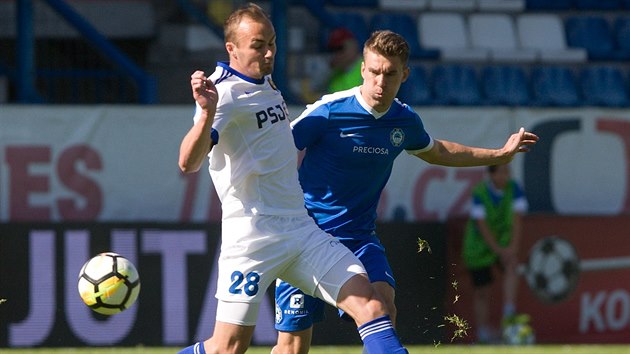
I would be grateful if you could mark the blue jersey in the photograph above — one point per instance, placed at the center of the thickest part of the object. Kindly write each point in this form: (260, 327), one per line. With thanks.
(350, 152)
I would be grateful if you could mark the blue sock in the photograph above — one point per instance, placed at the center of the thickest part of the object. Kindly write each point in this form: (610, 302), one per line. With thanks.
(196, 348)
(379, 337)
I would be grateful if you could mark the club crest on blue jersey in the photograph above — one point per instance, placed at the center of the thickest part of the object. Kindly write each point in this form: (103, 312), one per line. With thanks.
(278, 314)
(397, 136)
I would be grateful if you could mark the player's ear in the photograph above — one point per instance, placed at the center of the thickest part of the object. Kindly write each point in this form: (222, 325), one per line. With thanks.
(231, 49)
(406, 72)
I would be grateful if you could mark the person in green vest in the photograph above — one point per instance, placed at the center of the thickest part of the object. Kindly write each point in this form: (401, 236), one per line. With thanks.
(345, 62)
(491, 240)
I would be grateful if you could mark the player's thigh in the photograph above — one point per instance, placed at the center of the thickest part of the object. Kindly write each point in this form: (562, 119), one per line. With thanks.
(387, 294)
(359, 300)
(296, 311)
(237, 313)
(323, 265)
(371, 253)
(251, 259)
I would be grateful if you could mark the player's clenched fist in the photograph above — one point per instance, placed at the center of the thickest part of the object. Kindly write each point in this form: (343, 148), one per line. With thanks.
(203, 90)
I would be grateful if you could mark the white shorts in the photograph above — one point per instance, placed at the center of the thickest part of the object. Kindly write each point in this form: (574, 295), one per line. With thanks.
(256, 250)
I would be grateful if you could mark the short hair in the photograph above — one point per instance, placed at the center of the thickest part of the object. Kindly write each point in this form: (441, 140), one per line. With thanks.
(250, 10)
(493, 168)
(389, 44)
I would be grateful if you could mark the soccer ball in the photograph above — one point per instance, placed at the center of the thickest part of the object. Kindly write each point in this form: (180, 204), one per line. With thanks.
(109, 283)
(518, 334)
(552, 269)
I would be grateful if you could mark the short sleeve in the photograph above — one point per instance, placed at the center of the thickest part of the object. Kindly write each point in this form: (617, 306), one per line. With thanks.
(309, 127)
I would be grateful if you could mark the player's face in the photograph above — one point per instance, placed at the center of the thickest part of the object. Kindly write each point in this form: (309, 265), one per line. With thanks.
(501, 176)
(254, 48)
(382, 77)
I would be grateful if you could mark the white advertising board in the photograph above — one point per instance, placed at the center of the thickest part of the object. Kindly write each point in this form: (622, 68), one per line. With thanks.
(119, 163)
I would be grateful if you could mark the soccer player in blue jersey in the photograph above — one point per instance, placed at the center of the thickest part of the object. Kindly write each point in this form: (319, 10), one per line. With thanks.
(241, 126)
(351, 139)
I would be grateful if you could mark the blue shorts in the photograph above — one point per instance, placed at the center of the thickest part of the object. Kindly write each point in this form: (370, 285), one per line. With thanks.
(296, 311)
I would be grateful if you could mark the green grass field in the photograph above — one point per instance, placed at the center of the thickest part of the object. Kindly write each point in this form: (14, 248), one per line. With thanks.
(440, 349)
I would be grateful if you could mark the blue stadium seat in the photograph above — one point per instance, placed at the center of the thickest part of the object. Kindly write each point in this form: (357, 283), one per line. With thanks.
(356, 23)
(416, 90)
(549, 4)
(554, 86)
(604, 86)
(594, 34)
(603, 5)
(406, 26)
(505, 85)
(353, 3)
(456, 84)
(622, 33)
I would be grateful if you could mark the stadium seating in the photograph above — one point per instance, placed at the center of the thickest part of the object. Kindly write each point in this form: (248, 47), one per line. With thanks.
(452, 5)
(545, 5)
(554, 86)
(353, 3)
(355, 22)
(505, 85)
(416, 90)
(595, 35)
(455, 84)
(497, 33)
(622, 33)
(448, 32)
(603, 86)
(545, 33)
(403, 4)
(406, 26)
(501, 5)
(598, 4)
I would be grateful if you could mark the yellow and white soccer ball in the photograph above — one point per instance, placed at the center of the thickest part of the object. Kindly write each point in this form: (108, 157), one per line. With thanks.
(519, 334)
(109, 283)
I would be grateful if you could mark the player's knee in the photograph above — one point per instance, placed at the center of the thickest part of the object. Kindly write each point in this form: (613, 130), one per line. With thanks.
(293, 342)
(375, 306)
(390, 307)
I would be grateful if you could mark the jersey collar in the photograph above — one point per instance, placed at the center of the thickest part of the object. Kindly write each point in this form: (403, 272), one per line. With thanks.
(226, 66)
(365, 106)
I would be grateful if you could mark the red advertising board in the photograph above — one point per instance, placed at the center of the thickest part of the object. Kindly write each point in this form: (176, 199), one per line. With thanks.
(574, 279)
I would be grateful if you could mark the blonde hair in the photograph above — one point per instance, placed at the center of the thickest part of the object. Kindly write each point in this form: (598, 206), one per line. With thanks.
(389, 44)
(250, 10)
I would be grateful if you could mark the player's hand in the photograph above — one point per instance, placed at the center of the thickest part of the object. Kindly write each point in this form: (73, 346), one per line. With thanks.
(520, 142)
(203, 90)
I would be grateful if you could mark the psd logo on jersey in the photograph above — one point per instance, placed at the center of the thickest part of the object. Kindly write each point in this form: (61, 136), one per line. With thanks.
(397, 136)
(297, 301)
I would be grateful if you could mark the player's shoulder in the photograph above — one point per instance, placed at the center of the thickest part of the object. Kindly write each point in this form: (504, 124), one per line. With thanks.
(403, 109)
(336, 98)
(329, 102)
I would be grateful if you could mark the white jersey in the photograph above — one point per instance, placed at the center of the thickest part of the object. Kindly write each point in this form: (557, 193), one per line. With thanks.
(253, 164)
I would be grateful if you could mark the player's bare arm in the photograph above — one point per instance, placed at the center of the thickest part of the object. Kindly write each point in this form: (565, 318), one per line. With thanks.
(448, 153)
(197, 142)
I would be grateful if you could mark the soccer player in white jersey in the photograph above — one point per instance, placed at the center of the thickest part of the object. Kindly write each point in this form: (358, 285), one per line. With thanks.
(351, 139)
(241, 123)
